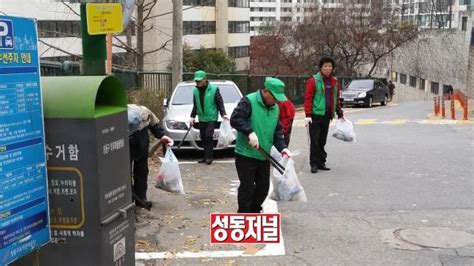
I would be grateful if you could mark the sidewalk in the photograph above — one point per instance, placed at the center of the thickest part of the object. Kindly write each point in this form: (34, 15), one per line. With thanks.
(180, 223)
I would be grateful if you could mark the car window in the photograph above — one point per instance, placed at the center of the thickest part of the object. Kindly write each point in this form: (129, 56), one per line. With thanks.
(184, 94)
(361, 85)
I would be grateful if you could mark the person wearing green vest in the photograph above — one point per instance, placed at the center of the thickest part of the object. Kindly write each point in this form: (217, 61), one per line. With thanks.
(321, 102)
(256, 120)
(207, 103)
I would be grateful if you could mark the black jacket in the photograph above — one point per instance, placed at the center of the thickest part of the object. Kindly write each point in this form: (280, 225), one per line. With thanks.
(240, 120)
(140, 141)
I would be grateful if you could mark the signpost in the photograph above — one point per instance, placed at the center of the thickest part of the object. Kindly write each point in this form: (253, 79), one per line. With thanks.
(104, 18)
(24, 219)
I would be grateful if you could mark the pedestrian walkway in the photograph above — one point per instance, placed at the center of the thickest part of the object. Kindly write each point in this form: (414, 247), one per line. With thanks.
(178, 225)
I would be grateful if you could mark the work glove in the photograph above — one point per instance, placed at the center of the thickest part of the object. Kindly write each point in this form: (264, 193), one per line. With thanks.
(191, 121)
(253, 140)
(286, 153)
(308, 120)
(167, 141)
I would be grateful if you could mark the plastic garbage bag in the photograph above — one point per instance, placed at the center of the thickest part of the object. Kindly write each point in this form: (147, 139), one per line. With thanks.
(226, 137)
(344, 131)
(169, 176)
(287, 187)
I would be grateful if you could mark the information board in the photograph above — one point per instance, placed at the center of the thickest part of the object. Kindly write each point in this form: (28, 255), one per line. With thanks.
(24, 218)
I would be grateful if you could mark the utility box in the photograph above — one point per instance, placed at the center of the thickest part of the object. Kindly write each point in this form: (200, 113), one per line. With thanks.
(91, 209)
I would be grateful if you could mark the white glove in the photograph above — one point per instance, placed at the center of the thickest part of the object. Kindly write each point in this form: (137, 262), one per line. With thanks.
(308, 120)
(167, 141)
(191, 121)
(253, 140)
(286, 153)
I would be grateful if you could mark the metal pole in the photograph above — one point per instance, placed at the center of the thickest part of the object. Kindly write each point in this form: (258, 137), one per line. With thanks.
(93, 49)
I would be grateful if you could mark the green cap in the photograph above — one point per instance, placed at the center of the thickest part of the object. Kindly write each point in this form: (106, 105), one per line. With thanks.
(199, 75)
(276, 87)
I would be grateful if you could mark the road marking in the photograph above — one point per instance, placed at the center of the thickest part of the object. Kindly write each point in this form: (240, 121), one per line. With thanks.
(396, 122)
(277, 249)
(365, 121)
(215, 161)
(403, 121)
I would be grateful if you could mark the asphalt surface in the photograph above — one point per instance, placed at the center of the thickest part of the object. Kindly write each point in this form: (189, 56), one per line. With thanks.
(403, 171)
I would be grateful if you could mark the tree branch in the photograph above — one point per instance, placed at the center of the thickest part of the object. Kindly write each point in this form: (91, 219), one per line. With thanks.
(70, 8)
(59, 49)
(163, 46)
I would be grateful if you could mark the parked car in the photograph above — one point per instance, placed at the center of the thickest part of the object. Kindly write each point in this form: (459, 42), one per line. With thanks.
(177, 110)
(365, 92)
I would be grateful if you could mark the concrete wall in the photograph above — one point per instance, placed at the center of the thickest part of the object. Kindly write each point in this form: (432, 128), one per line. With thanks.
(442, 56)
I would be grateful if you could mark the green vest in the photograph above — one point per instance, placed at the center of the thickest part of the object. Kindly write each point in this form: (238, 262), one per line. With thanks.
(264, 122)
(210, 112)
(319, 101)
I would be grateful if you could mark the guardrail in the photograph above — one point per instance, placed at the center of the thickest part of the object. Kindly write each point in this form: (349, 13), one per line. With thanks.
(439, 108)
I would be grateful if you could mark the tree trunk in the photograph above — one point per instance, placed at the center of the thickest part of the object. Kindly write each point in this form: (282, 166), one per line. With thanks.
(140, 26)
(130, 54)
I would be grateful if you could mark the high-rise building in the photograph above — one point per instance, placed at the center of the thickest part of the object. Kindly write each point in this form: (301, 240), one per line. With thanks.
(207, 24)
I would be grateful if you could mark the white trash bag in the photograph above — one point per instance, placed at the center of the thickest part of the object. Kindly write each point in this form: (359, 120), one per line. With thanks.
(344, 130)
(225, 135)
(169, 176)
(287, 187)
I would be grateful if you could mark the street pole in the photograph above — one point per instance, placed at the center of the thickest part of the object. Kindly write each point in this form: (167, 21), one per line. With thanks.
(177, 57)
(93, 49)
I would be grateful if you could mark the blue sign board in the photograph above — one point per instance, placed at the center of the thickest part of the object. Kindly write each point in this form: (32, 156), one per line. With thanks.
(24, 217)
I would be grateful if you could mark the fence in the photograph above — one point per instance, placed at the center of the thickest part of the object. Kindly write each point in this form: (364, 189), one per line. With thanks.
(129, 78)
(160, 82)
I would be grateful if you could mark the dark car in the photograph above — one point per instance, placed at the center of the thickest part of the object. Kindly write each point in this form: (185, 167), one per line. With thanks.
(365, 92)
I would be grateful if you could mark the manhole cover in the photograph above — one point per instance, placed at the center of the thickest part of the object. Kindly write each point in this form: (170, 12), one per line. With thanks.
(436, 237)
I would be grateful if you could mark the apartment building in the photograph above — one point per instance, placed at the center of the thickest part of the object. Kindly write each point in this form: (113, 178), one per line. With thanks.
(208, 24)
(433, 13)
(265, 13)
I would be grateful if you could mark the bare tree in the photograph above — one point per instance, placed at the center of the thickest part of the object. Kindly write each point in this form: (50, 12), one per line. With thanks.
(354, 35)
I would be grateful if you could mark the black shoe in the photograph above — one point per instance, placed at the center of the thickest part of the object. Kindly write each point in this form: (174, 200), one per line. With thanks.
(208, 162)
(324, 167)
(146, 204)
(314, 169)
(202, 161)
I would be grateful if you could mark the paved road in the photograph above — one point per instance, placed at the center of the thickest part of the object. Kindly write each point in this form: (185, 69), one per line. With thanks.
(403, 172)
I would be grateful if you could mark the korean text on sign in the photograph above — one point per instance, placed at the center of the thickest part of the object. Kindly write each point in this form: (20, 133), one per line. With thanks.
(238, 228)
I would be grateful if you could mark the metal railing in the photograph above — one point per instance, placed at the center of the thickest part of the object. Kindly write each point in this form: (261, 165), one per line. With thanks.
(160, 82)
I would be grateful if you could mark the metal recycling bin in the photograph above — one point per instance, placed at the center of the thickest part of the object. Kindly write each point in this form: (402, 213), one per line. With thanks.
(87, 149)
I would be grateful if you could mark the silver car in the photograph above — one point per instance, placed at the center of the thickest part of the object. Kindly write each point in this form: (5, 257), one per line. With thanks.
(177, 111)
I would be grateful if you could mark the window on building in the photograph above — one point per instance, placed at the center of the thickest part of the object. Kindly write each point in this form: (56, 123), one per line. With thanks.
(403, 78)
(465, 2)
(413, 81)
(199, 2)
(239, 51)
(239, 26)
(422, 84)
(394, 76)
(199, 27)
(59, 28)
(239, 3)
(434, 87)
(464, 24)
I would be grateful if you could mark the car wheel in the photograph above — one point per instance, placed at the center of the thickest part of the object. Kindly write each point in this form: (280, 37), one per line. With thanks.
(384, 102)
(369, 102)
